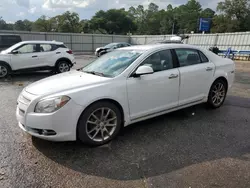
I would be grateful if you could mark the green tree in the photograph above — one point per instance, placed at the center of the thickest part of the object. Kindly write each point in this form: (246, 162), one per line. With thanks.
(113, 21)
(207, 13)
(23, 25)
(68, 22)
(235, 10)
(43, 24)
(222, 24)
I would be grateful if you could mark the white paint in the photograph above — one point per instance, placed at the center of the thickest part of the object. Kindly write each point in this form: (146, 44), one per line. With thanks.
(27, 60)
(141, 97)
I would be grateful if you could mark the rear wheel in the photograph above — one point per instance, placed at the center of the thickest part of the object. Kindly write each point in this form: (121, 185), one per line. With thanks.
(99, 123)
(217, 94)
(63, 66)
(4, 70)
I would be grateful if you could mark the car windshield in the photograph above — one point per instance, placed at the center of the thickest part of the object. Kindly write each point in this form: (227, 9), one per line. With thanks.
(113, 63)
(8, 50)
(110, 45)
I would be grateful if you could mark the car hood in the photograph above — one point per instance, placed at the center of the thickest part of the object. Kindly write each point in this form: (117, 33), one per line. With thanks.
(3, 51)
(63, 82)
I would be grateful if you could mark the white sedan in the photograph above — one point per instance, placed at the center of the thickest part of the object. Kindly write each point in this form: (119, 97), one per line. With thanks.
(120, 88)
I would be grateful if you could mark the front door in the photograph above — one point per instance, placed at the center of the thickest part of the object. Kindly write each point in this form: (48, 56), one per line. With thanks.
(157, 92)
(27, 57)
(196, 75)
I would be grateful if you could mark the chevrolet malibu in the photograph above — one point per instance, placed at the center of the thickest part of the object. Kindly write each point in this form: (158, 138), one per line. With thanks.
(122, 87)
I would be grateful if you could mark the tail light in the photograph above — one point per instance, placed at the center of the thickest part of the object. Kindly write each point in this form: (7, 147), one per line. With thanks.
(69, 52)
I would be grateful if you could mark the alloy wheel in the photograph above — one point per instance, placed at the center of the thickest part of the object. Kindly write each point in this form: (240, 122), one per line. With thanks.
(64, 67)
(101, 124)
(3, 71)
(218, 93)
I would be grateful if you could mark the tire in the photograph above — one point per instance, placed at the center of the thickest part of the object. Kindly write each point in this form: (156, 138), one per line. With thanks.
(4, 70)
(93, 132)
(217, 94)
(63, 66)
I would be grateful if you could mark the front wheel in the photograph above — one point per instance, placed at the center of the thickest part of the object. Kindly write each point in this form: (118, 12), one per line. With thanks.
(217, 94)
(63, 66)
(4, 70)
(99, 123)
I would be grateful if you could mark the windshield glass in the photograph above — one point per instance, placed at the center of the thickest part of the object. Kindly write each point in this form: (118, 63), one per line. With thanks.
(113, 63)
(110, 45)
(12, 47)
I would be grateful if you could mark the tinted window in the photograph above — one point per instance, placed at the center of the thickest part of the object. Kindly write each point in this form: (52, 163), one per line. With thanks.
(187, 57)
(203, 57)
(45, 47)
(61, 46)
(160, 61)
(27, 48)
(120, 45)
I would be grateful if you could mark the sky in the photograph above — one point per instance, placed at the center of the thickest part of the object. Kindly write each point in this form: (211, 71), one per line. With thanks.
(13, 10)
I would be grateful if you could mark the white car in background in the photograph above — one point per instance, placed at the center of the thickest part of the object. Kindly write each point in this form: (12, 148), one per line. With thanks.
(125, 86)
(110, 47)
(34, 56)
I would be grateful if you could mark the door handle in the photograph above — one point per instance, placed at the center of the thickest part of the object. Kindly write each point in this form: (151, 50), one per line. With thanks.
(34, 56)
(173, 76)
(58, 52)
(209, 68)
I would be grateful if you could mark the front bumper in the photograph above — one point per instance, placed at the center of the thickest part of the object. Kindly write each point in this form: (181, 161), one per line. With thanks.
(58, 126)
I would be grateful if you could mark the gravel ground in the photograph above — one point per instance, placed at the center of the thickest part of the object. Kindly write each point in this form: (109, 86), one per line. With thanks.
(194, 147)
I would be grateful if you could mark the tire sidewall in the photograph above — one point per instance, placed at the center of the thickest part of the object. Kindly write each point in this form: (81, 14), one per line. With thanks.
(81, 126)
(59, 63)
(210, 101)
(7, 68)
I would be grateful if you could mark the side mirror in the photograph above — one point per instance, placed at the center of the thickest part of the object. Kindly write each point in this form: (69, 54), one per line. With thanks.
(14, 52)
(142, 70)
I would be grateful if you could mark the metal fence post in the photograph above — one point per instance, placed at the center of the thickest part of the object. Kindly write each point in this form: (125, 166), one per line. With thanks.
(71, 41)
(93, 41)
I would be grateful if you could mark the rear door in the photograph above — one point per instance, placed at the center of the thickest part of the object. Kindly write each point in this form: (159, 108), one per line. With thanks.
(196, 75)
(48, 54)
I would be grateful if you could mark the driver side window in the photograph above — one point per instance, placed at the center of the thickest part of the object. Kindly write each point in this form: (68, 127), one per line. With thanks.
(27, 48)
(160, 61)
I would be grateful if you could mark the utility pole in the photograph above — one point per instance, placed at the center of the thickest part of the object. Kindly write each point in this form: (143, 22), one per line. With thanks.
(173, 29)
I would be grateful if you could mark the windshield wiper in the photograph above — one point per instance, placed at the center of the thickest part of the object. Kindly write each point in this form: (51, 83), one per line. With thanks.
(95, 73)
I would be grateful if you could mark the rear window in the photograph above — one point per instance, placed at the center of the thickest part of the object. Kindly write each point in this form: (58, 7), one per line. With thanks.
(204, 59)
(61, 46)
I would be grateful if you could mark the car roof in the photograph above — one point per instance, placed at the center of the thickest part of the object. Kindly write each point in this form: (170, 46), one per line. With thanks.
(157, 46)
(40, 41)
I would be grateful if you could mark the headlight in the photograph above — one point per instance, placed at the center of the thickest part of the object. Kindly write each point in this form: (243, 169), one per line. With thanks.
(51, 104)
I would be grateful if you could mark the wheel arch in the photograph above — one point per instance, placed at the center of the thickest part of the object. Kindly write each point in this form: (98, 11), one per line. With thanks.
(116, 103)
(5, 63)
(63, 59)
(223, 79)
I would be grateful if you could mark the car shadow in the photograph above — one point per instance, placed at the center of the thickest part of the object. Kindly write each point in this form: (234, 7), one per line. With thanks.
(159, 145)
